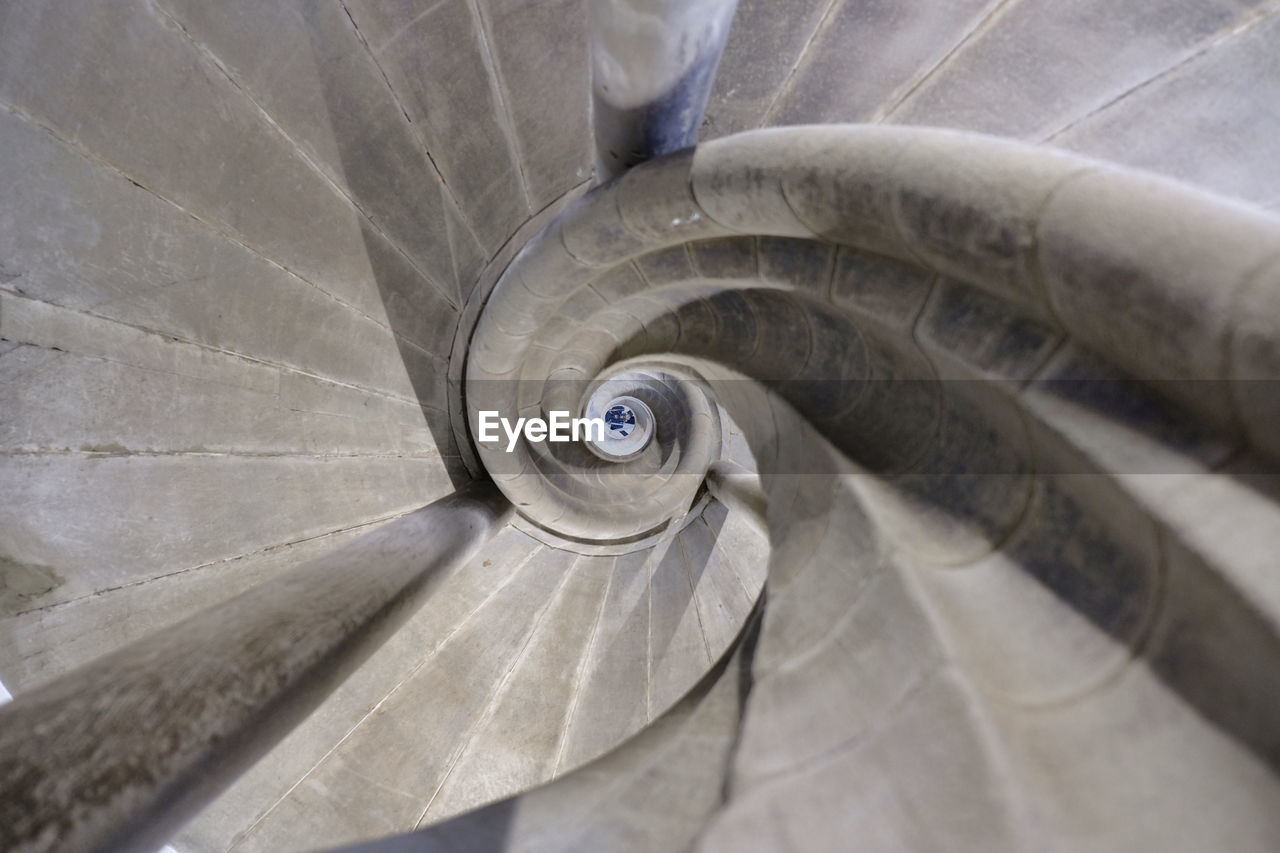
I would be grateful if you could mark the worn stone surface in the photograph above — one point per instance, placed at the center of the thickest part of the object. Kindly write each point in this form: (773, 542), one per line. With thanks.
(1034, 66)
(233, 814)
(760, 55)
(673, 768)
(1150, 292)
(1254, 360)
(410, 761)
(172, 512)
(44, 644)
(868, 55)
(235, 243)
(149, 394)
(438, 60)
(613, 700)
(545, 87)
(271, 650)
(972, 327)
(891, 292)
(89, 239)
(245, 178)
(540, 697)
(518, 743)
(1211, 120)
(186, 415)
(306, 65)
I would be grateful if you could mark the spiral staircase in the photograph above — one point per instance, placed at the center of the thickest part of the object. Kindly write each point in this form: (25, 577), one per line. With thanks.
(959, 328)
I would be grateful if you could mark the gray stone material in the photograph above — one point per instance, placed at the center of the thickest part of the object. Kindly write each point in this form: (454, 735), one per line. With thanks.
(1108, 566)
(87, 241)
(741, 190)
(933, 194)
(594, 234)
(976, 218)
(545, 88)
(681, 648)
(380, 366)
(759, 57)
(652, 70)
(665, 266)
(1153, 292)
(802, 264)
(1231, 656)
(518, 744)
(254, 794)
(894, 45)
(620, 282)
(1035, 66)
(309, 68)
(412, 761)
(613, 701)
(437, 60)
(248, 191)
(184, 414)
(891, 292)
(934, 727)
(727, 257)
(173, 513)
(984, 334)
(1134, 431)
(225, 667)
(1209, 120)
(590, 625)
(44, 644)
(656, 200)
(1200, 510)
(673, 769)
(1008, 478)
(1254, 359)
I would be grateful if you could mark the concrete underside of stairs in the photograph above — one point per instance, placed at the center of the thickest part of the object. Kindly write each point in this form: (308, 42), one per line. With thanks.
(236, 242)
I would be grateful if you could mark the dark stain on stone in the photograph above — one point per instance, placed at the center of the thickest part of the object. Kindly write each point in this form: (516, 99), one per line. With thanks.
(21, 584)
(110, 448)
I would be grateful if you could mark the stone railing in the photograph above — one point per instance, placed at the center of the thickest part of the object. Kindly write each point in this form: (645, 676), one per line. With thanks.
(120, 753)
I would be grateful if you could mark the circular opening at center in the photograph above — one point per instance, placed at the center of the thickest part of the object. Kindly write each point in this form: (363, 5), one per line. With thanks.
(619, 420)
(628, 427)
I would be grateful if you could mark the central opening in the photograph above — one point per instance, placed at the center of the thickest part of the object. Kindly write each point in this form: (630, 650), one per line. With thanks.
(629, 426)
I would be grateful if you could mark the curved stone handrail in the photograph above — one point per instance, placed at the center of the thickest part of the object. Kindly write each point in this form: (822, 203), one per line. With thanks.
(119, 754)
(1167, 283)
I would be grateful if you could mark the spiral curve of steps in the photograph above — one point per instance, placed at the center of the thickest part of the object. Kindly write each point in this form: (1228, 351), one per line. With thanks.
(960, 528)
